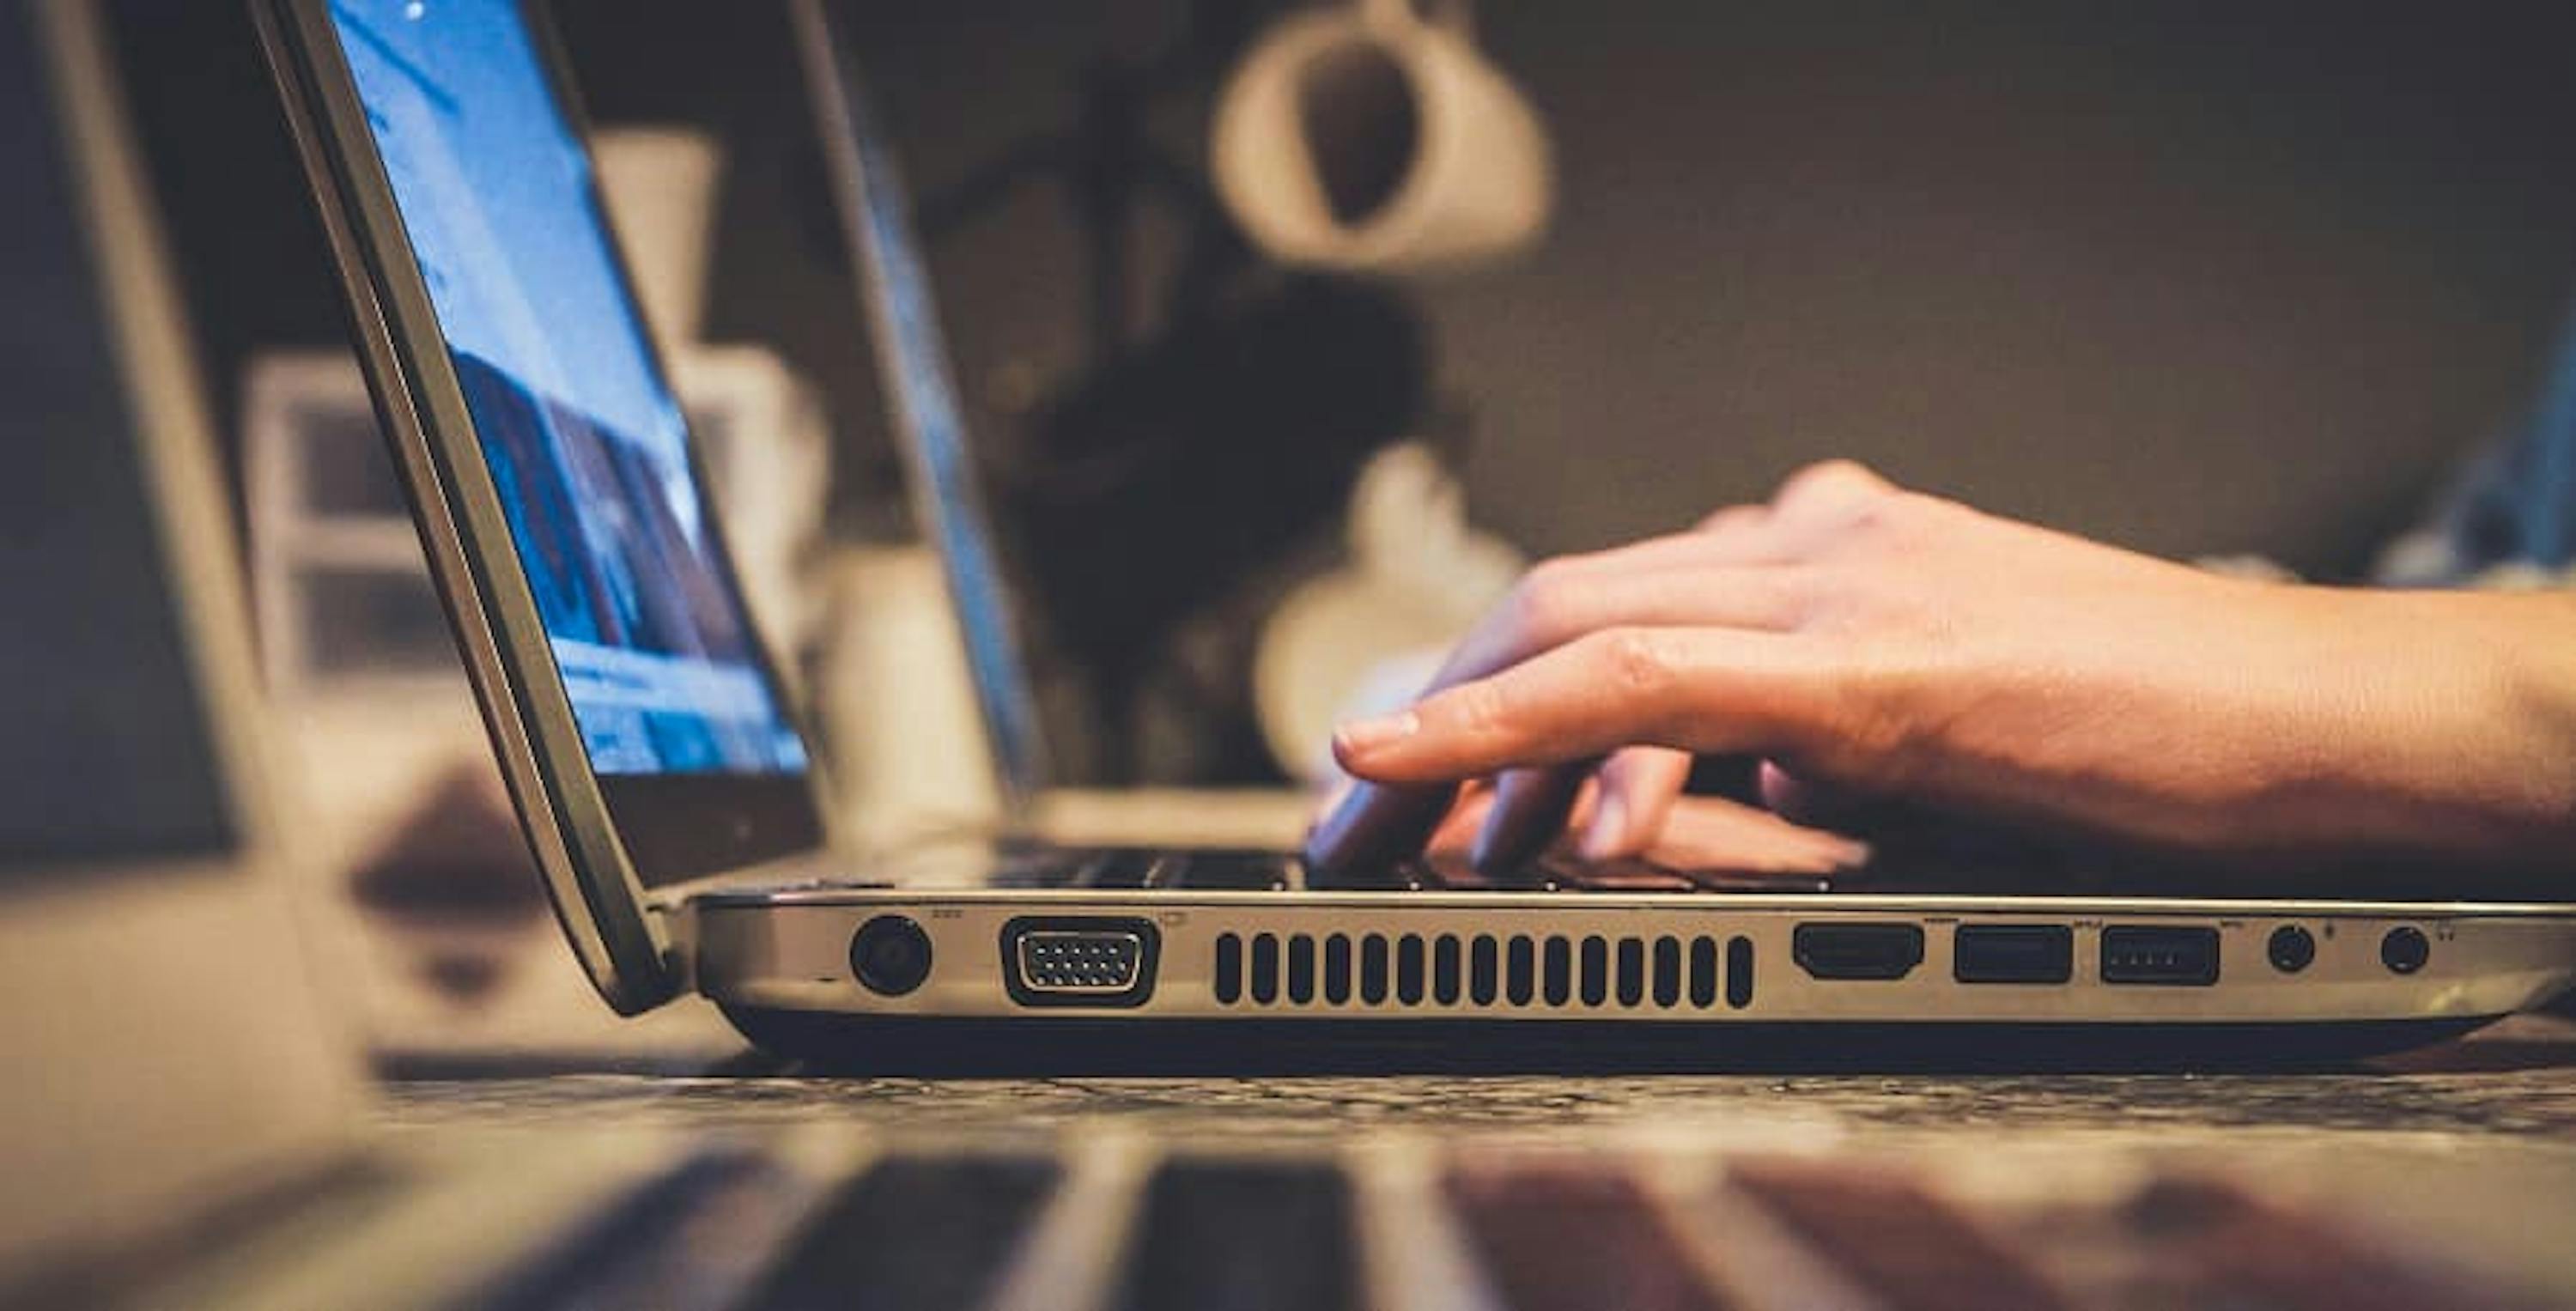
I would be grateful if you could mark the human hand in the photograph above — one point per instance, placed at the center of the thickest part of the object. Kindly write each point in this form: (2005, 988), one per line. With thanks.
(1867, 641)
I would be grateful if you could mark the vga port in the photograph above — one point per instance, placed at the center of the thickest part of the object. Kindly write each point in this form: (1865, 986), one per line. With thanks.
(1079, 961)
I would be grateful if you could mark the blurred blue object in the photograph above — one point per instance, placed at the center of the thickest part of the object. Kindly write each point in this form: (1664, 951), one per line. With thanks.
(2515, 504)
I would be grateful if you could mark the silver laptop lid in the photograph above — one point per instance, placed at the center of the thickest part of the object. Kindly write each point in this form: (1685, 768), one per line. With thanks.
(921, 397)
(644, 735)
(166, 1041)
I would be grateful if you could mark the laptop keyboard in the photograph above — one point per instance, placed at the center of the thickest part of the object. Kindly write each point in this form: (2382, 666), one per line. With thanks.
(1130, 868)
(1121, 1227)
(1939, 863)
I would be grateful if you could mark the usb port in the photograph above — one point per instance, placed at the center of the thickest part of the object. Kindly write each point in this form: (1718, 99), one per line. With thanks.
(2012, 953)
(2169, 954)
(1079, 960)
(1857, 951)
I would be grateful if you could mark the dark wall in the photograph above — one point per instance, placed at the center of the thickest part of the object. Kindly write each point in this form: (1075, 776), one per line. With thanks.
(2209, 276)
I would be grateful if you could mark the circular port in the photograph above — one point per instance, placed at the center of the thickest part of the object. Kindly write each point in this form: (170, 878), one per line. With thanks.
(891, 955)
(2405, 949)
(2291, 949)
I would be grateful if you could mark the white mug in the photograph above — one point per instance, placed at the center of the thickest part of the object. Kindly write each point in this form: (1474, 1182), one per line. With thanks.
(1370, 138)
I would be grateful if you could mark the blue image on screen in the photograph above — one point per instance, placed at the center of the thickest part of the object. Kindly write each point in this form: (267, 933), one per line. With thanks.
(585, 443)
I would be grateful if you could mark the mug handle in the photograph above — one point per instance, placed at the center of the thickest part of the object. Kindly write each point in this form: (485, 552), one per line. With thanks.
(1456, 17)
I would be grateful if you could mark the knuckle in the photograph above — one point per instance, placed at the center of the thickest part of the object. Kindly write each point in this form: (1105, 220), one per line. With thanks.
(1836, 478)
(1478, 710)
(1639, 661)
(1840, 469)
(1542, 601)
(1878, 521)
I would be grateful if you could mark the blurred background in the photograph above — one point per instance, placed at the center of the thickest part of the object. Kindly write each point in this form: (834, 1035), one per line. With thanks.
(2199, 278)
(2193, 277)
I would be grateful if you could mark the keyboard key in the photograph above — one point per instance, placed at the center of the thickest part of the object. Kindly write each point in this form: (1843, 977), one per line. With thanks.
(1243, 1236)
(1234, 871)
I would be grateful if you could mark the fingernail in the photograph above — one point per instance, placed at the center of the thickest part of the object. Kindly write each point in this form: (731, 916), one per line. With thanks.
(1609, 827)
(1850, 854)
(1365, 736)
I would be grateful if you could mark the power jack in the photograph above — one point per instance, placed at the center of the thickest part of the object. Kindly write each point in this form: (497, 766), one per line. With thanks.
(2291, 949)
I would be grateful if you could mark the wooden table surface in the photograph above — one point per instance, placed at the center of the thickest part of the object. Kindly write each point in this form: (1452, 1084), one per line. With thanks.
(2463, 1155)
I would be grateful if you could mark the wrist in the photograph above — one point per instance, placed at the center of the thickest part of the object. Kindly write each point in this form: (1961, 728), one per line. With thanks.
(2494, 737)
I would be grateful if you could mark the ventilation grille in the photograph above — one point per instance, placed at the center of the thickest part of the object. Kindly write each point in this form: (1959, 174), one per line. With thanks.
(1482, 970)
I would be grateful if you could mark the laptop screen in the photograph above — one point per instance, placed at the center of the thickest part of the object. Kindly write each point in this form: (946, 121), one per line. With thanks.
(928, 419)
(584, 439)
(106, 752)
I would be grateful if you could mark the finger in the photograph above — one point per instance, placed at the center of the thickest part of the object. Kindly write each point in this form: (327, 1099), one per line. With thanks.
(1806, 801)
(1638, 788)
(1714, 833)
(1529, 812)
(1376, 824)
(1697, 689)
(1458, 832)
(1555, 606)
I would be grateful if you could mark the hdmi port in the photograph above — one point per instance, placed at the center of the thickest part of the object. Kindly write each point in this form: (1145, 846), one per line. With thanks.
(1079, 961)
(1857, 951)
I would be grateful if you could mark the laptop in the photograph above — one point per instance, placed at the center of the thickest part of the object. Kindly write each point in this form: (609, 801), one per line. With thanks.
(669, 794)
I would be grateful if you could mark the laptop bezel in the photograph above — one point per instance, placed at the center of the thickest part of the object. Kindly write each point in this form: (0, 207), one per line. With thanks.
(602, 842)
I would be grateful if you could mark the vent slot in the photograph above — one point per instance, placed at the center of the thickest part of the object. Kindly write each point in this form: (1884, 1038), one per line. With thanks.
(1703, 972)
(1337, 969)
(1408, 969)
(1520, 971)
(1484, 970)
(1632, 971)
(1668, 971)
(1373, 969)
(1301, 969)
(1265, 968)
(1444, 970)
(1739, 972)
(1229, 969)
(1557, 967)
(1596, 971)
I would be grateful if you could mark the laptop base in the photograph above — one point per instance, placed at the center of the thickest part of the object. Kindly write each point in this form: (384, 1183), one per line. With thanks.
(947, 1046)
